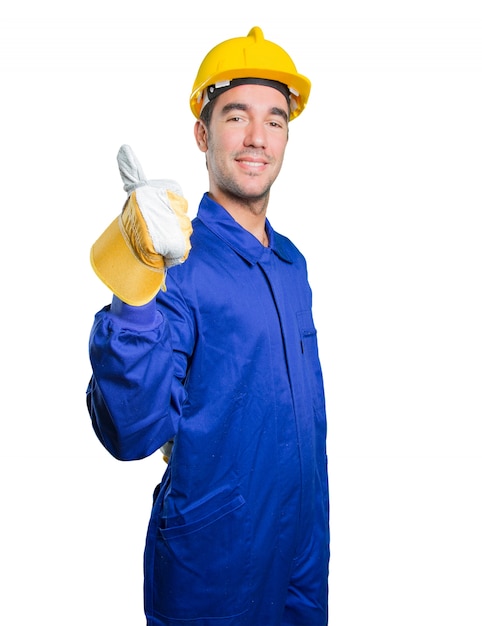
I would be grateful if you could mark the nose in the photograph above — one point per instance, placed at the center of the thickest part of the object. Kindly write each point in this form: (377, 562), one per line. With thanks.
(255, 135)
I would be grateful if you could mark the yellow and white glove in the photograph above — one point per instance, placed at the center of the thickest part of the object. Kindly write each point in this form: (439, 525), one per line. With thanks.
(152, 234)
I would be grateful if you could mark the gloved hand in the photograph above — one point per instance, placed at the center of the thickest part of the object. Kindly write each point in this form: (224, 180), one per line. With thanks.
(151, 234)
(166, 450)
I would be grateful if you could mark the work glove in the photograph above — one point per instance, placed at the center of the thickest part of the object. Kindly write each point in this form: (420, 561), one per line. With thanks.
(152, 234)
(166, 450)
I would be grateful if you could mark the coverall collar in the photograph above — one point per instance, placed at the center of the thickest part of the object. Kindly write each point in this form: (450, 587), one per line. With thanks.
(220, 222)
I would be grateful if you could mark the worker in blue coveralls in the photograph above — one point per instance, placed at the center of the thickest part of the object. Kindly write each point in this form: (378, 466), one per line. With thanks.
(209, 344)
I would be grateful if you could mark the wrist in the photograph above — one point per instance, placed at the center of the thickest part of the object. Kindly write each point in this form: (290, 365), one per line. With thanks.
(142, 316)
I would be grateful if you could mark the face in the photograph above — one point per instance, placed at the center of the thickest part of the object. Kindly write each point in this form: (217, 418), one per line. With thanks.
(245, 143)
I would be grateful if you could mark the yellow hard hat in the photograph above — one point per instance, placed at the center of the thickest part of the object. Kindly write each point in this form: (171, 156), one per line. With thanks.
(250, 57)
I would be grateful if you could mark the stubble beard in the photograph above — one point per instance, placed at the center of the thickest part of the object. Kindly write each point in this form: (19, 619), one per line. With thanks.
(255, 203)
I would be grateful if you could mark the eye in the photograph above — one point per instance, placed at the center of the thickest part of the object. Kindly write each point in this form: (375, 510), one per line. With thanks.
(277, 124)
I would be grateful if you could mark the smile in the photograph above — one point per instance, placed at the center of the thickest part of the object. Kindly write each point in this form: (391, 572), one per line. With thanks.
(251, 164)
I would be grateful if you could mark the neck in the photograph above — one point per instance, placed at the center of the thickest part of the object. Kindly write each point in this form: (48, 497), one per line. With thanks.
(251, 215)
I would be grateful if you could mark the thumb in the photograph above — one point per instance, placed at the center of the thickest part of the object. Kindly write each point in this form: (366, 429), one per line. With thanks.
(130, 169)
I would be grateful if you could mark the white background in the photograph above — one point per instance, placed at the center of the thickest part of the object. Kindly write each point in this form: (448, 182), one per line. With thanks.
(381, 189)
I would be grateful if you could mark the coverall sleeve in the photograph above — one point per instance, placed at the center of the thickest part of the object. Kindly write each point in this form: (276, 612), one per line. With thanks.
(136, 392)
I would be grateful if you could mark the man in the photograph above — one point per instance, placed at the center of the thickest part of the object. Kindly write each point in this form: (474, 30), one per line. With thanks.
(219, 356)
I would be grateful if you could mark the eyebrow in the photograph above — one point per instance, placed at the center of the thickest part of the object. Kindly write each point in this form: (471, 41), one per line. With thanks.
(239, 106)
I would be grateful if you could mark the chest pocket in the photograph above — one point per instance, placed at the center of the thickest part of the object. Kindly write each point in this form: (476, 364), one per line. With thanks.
(309, 349)
(307, 330)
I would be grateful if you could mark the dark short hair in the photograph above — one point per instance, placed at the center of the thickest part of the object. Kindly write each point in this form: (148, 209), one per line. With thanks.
(207, 113)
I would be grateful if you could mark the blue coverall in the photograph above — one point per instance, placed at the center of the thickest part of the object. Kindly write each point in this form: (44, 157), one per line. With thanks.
(226, 361)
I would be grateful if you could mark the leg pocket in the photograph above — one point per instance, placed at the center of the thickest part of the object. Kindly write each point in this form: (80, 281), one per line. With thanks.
(201, 567)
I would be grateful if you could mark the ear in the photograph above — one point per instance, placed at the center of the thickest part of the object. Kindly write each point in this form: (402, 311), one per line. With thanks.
(201, 136)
